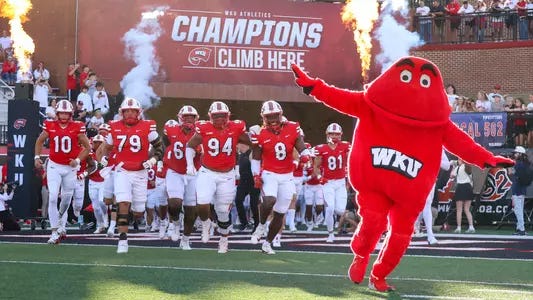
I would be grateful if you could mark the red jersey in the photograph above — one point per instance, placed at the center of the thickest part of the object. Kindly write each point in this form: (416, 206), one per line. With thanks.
(220, 144)
(64, 144)
(72, 82)
(277, 149)
(151, 178)
(131, 144)
(334, 161)
(96, 175)
(175, 152)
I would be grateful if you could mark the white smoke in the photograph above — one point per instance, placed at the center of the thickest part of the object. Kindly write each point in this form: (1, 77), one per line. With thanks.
(394, 37)
(139, 47)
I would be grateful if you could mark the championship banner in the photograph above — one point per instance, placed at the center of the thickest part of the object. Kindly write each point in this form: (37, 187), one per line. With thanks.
(23, 130)
(487, 129)
(226, 41)
(493, 203)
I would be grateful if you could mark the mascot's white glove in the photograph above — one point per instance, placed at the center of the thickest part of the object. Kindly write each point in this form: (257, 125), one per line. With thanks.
(148, 164)
(104, 161)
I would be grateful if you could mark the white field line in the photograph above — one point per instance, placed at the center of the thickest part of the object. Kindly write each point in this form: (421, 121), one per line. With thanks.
(250, 271)
(280, 251)
(438, 297)
(502, 291)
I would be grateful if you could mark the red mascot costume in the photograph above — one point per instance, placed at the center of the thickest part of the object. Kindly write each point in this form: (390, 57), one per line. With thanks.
(404, 121)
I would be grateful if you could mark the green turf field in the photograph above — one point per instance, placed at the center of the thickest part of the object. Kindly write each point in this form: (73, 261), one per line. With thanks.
(97, 272)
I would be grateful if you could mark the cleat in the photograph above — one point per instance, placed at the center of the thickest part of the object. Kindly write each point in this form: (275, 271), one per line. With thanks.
(122, 246)
(293, 229)
(223, 245)
(331, 238)
(111, 231)
(258, 234)
(433, 241)
(379, 284)
(173, 232)
(310, 227)
(54, 238)
(147, 228)
(267, 248)
(470, 230)
(62, 232)
(163, 229)
(457, 230)
(276, 243)
(100, 230)
(206, 226)
(185, 244)
(357, 269)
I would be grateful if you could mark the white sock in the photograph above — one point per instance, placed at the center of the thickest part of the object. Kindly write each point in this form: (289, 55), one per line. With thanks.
(290, 217)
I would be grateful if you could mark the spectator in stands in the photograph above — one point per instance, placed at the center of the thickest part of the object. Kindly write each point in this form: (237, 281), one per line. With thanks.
(480, 21)
(482, 103)
(459, 105)
(100, 99)
(496, 91)
(498, 104)
(72, 82)
(519, 176)
(86, 99)
(463, 194)
(424, 21)
(497, 16)
(511, 18)
(452, 12)
(467, 21)
(452, 94)
(51, 110)
(521, 10)
(80, 113)
(40, 94)
(41, 73)
(530, 18)
(85, 70)
(9, 71)
(90, 83)
(5, 43)
(437, 12)
(470, 105)
(517, 109)
(97, 119)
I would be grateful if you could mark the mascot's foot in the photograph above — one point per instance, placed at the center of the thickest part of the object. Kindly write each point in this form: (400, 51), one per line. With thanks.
(358, 269)
(379, 284)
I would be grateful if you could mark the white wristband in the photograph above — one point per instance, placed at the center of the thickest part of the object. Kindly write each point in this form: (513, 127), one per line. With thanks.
(77, 161)
(255, 166)
(36, 157)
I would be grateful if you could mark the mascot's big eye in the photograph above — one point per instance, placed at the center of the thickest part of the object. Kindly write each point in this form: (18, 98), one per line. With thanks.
(425, 81)
(405, 76)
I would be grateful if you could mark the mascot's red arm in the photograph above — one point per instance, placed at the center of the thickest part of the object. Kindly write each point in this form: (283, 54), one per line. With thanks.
(461, 144)
(344, 101)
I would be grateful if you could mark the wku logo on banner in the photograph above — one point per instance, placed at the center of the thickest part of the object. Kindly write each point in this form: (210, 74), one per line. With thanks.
(198, 55)
(19, 123)
(496, 186)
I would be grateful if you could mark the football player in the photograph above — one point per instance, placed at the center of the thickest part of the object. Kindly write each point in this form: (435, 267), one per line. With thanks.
(96, 190)
(331, 161)
(130, 139)
(272, 167)
(313, 193)
(108, 173)
(68, 147)
(216, 178)
(181, 188)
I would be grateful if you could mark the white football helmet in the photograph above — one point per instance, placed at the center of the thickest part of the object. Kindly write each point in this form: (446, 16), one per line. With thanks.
(98, 138)
(219, 107)
(333, 133)
(64, 106)
(105, 127)
(187, 110)
(272, 115)
(130, 103)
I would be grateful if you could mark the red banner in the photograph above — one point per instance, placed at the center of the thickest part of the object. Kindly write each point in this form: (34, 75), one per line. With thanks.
(225, 42)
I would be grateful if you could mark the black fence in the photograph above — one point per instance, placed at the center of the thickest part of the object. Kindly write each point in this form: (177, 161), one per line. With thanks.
(475, 27)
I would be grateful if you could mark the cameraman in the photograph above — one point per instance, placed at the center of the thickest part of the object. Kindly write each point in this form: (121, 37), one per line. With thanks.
(6, 194)
(521, 178)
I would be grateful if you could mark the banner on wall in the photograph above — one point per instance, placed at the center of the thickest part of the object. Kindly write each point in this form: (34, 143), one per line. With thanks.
(226, 41)
(487, 129)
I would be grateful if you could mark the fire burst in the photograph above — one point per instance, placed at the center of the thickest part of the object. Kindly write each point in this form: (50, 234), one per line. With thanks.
(15, 11)
(360, 16)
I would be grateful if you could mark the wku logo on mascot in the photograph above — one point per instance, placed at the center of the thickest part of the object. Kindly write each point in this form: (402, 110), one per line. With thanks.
(497, 185)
